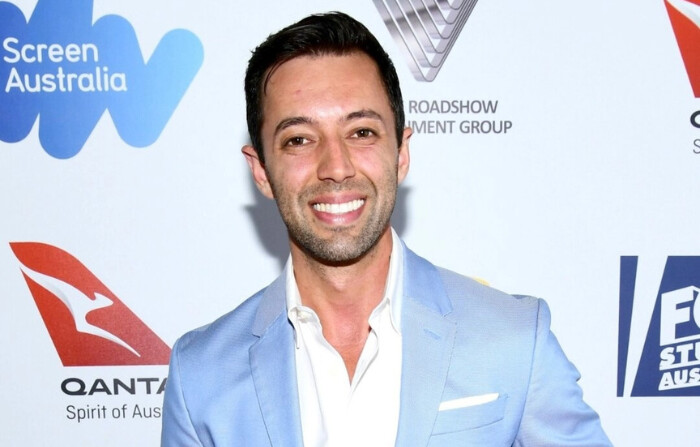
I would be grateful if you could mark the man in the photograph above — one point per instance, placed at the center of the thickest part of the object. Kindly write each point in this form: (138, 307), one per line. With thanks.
(360, 342)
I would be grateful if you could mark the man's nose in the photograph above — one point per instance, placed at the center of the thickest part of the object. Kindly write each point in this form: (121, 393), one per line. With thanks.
(335, 161)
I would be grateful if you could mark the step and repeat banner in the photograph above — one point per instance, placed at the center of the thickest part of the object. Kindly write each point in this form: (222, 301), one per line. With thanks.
(556, 153)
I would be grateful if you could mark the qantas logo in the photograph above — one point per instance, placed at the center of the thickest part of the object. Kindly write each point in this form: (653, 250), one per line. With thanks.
(426, 31)
(685, 19)
(88, 324)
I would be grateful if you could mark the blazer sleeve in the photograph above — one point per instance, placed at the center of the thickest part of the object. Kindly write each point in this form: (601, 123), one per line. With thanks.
(177, 430)
(555, 413)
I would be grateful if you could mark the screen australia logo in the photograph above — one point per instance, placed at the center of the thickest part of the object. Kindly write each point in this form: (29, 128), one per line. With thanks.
(659, 335)
(426, 31)
(88, 324)
(67, 70)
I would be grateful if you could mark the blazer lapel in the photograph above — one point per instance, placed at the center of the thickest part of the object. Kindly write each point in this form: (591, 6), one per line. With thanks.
(273, 368)
(428, 339)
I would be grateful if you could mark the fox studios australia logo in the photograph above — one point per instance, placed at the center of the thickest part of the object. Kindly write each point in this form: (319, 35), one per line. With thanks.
(659, 334)
(61, 66)
(425, 31)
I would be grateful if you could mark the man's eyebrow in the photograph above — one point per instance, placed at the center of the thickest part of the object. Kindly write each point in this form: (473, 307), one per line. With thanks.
(293, 121)
(364, 113)
(298, 120)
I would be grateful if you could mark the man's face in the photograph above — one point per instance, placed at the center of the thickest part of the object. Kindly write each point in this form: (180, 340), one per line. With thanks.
(331, 157)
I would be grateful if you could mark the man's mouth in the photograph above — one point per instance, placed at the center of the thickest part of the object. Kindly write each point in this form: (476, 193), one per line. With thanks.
(339, 208)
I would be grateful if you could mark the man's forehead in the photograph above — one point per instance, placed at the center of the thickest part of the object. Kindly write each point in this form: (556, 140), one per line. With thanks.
(308, 74)
(304, 61)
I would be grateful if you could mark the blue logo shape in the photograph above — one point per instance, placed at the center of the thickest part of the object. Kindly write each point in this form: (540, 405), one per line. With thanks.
(669, 364)
(66, 70)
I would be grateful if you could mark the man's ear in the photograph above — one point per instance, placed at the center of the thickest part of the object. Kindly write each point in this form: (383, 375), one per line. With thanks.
(257, 170)
(404, 154)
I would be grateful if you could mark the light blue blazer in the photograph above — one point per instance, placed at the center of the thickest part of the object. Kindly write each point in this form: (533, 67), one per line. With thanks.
(233, 382)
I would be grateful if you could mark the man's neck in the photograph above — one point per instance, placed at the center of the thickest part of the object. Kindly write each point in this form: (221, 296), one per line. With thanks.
(343, 297)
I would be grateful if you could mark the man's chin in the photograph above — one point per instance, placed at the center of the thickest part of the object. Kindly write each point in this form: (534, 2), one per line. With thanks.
(336, 252)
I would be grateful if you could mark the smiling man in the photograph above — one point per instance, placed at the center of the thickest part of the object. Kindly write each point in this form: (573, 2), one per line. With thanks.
(360, 342)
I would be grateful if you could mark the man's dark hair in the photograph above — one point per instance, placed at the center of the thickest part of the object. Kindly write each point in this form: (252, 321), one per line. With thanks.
(333, 33)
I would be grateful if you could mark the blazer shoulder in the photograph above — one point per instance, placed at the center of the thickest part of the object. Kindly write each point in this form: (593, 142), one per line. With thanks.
(467, 292)
(465, 299)
(233, 329)
(475, 305)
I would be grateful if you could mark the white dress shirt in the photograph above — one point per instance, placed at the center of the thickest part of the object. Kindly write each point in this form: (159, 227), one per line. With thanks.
(334, 411)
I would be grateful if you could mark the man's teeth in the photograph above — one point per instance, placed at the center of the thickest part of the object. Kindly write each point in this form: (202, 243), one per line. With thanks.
(338, 208)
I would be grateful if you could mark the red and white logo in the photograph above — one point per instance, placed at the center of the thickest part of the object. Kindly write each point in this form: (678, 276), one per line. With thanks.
(88, 324)
(685, 19)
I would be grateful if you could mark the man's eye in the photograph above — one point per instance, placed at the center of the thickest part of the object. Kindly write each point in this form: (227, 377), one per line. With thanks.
(365, 133)
(295, 141)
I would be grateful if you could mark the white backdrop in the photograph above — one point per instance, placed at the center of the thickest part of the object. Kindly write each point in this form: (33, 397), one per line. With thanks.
(599, 163)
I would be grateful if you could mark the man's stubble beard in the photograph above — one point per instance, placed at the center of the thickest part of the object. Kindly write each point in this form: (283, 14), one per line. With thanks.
(341, 248)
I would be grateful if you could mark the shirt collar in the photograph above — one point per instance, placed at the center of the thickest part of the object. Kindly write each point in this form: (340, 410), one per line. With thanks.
(393, 289)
